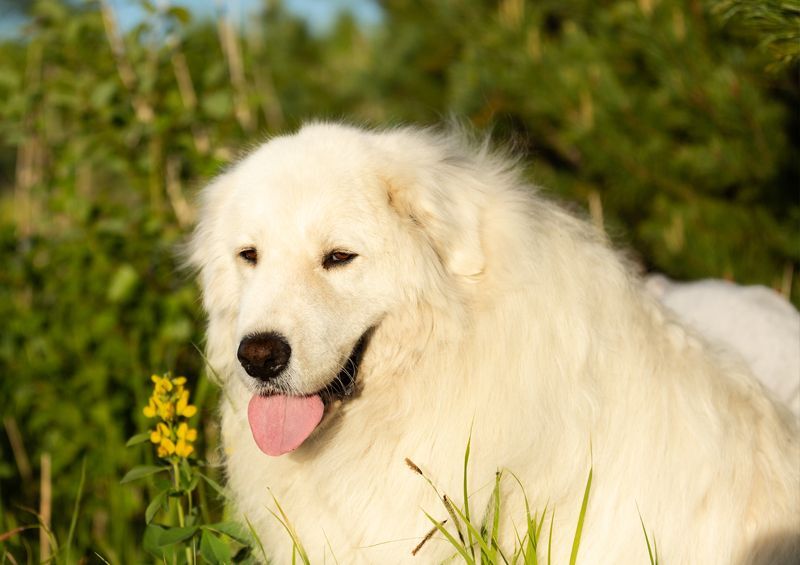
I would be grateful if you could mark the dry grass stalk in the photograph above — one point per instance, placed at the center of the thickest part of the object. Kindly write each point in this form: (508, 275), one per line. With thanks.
(413, 467)
(143, 109)
(596, 210)
(427, 537)
(189, 98)
(235, 63)
(45, 507)
(786, 280)
(184, 211)
(30, 155)
(268, 98)
(18, 449)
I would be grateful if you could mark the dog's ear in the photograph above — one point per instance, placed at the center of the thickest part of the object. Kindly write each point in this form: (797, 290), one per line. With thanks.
(206, 250)
(447, 211)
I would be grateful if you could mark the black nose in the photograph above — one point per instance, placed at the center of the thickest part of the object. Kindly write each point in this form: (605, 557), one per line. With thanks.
(264, 356)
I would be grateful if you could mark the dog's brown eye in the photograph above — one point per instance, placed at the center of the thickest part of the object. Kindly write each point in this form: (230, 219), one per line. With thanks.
(337, 258)
(250, 255)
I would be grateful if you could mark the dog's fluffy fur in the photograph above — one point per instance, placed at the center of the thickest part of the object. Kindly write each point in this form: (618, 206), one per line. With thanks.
(492, 310)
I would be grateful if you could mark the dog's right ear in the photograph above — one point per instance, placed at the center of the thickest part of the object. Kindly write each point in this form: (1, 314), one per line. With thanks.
(207, 252)
(451, 225)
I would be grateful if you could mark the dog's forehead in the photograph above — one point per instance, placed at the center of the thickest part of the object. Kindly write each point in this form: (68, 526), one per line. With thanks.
(298, 182)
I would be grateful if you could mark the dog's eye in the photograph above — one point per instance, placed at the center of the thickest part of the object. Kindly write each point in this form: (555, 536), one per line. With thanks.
(249, 255)
(337, 258)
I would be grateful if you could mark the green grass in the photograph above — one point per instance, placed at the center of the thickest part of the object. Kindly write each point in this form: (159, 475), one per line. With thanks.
(481, 544)
(476, 540)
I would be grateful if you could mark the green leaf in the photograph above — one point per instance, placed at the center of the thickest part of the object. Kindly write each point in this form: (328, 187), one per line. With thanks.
(152, 534)
(245, 557)
(102, 94)
(213, 549)
(179, 13)
(213, 484)
(171, 536)
(217, 105)
(155, 505)
(123, 283)
(137, 439)
(233, 530)
(142, 471)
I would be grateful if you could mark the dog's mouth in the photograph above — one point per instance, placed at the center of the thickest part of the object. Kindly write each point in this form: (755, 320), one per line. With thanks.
(280, 423)
(344, 384)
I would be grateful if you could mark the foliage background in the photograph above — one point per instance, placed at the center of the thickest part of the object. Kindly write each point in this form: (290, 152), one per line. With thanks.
(674, 122)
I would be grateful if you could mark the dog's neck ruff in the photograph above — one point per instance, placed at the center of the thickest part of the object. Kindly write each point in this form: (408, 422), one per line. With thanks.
(281, 423)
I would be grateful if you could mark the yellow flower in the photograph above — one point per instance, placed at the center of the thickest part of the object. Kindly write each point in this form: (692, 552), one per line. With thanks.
(161, 431)
(186, 433)
(170, 404)
(163, 384)
(183, 449)
(166, 448)
(150, 409)
(166, 411)
(183, 407)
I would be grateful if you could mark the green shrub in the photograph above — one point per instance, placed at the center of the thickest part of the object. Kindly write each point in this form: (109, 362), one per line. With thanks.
(658, 115)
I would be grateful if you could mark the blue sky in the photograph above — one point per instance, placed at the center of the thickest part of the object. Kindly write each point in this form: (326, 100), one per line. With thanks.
(319, 13)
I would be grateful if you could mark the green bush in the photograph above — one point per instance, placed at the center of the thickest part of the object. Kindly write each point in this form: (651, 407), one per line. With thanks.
(674, 121)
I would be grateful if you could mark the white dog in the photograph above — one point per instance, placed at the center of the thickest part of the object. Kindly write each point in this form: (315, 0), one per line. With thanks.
(374, 296)
(753, 321)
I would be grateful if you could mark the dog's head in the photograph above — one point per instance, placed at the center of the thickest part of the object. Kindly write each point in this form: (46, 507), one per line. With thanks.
(309, 242)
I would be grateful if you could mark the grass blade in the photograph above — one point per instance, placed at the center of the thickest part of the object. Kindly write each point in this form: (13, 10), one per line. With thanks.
(475, 534)
(74, 521)
(496, 518)
(257, 538)
(213, 484)
(333, 554)
(576, 542)
(550, 537)
(453, 541)
(297, 546)
(451, 510)
(653, 561)
(466, 489)
(529, 551)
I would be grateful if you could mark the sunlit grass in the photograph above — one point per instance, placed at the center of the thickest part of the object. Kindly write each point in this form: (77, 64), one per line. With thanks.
(477, 541)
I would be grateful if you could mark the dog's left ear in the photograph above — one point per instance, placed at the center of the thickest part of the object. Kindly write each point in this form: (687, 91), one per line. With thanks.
(448, 211)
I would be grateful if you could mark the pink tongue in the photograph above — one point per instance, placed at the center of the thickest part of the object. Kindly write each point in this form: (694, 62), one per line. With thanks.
(281, 423)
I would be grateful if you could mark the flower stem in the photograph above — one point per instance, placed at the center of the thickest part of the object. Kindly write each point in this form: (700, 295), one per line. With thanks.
(176, 477)
(181, 517)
